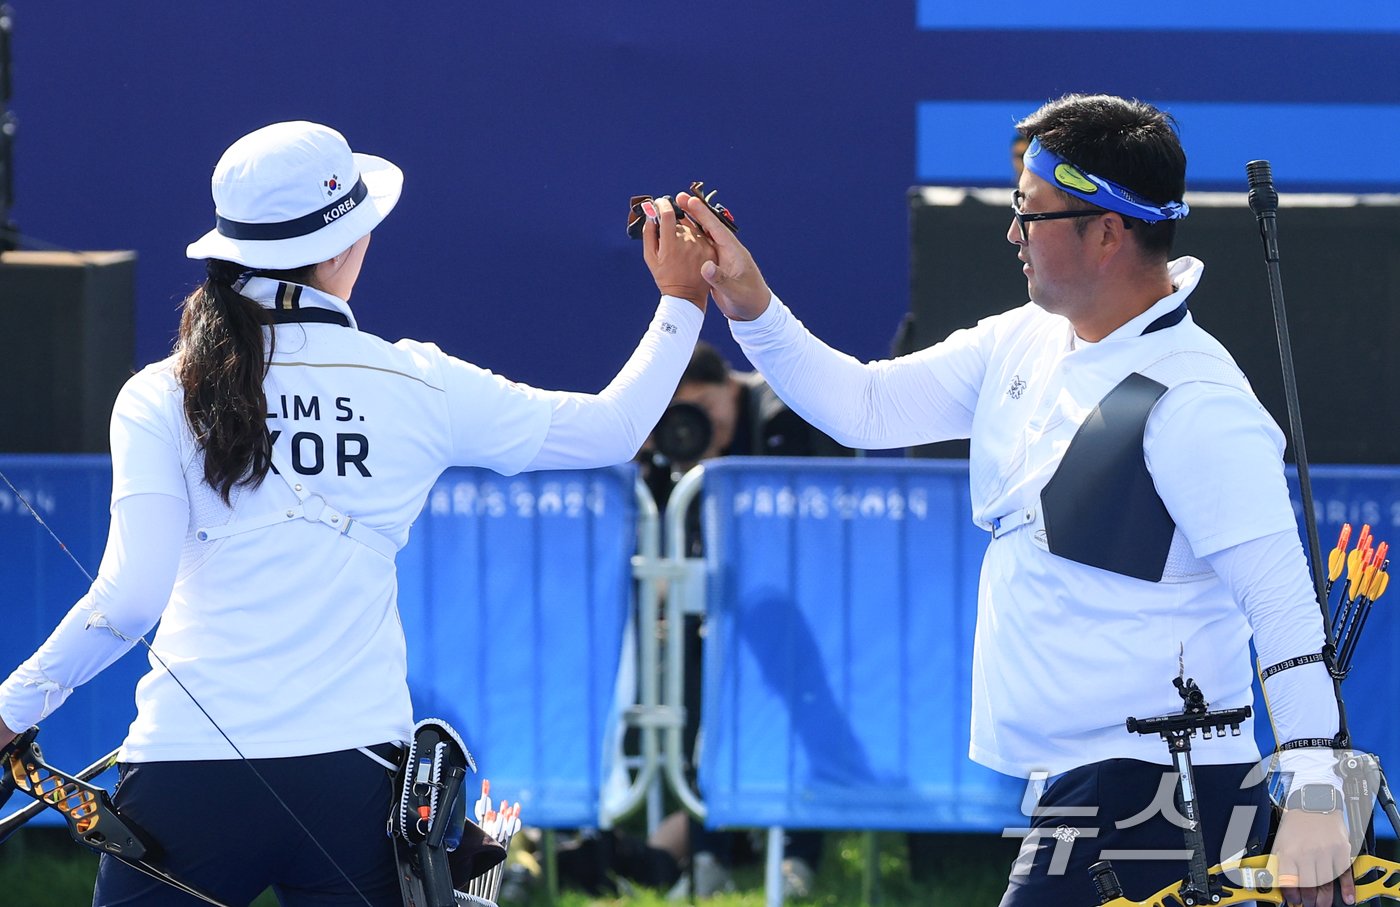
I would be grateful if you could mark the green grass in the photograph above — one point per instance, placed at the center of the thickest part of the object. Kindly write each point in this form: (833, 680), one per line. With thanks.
(961, 870)
(41, 867)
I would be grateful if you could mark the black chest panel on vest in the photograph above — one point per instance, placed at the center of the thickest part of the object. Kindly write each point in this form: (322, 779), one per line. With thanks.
(1100, 507)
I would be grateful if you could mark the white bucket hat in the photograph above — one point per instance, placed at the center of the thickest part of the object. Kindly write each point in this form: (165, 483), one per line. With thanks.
(294, 194)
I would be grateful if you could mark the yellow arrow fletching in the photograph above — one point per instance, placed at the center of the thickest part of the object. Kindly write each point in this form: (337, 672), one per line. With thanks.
(1335, 560)
(1375, 569)
(1353, 566)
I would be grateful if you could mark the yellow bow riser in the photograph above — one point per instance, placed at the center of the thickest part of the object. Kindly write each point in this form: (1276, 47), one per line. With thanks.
(1255, 880)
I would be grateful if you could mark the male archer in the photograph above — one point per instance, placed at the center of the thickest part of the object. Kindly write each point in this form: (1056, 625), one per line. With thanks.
(1134, 490)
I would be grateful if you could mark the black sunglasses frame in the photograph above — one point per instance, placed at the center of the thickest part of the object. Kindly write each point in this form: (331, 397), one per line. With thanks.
(1022, 219)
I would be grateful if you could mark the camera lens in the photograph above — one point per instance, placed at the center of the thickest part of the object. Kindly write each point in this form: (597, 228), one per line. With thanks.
(683, 433)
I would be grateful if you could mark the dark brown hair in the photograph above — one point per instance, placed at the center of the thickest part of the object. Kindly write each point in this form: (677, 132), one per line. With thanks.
(1127, 141)
(220, 363)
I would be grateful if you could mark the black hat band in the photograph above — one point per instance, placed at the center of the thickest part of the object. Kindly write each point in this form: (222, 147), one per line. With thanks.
(301, 226)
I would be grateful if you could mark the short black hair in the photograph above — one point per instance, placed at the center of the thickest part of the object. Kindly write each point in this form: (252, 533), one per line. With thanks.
(706, 366)
(1124, 140)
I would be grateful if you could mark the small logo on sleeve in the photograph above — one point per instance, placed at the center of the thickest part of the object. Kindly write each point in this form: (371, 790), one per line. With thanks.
(1017, 388)
(668, 328)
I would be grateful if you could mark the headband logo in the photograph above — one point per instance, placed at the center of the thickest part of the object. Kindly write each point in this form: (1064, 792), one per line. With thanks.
(1069, 175)
(331, 185)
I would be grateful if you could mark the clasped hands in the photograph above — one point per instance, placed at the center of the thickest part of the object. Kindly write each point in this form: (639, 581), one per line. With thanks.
(693, 263)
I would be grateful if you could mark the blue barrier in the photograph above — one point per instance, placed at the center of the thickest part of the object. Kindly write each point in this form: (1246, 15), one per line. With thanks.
(837, 660)
(842, 597)
(71, 493)
(513, 594)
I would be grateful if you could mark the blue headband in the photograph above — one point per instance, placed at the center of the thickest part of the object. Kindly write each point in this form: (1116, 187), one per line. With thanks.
(1096, 190)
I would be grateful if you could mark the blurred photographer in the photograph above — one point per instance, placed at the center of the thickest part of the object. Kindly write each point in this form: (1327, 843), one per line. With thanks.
(716, 412)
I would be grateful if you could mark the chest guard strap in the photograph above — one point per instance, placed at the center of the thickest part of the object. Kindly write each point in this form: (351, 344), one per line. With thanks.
(310, 507)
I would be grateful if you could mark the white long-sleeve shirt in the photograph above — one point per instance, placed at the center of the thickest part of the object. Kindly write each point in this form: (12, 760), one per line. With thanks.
(289, 634)
(1065, 652)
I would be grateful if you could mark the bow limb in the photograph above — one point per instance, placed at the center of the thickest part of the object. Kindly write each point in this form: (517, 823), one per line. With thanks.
(1253, 880)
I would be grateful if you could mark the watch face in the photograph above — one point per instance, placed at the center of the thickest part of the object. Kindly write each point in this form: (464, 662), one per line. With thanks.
(1318, 798)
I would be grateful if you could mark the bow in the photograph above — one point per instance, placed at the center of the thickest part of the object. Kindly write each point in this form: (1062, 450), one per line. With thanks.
(1255, 880)
(92, 819)
(95, 799)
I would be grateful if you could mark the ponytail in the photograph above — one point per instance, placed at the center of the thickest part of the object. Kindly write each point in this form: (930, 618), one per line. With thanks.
(220, 363)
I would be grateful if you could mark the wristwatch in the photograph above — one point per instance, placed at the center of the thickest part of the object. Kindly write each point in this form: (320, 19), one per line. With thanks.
(1315, 798)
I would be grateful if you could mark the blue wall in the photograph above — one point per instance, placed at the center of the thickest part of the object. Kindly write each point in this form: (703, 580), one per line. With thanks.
(524, 127)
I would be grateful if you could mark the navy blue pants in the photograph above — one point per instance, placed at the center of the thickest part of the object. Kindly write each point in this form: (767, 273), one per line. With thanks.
(219, 829)
(1084, 808)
